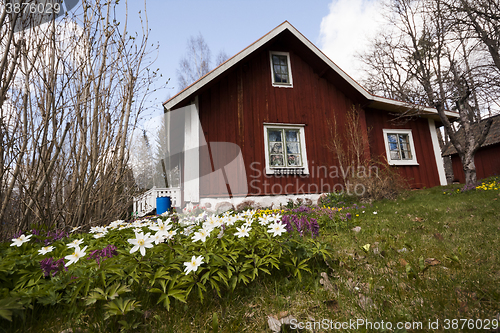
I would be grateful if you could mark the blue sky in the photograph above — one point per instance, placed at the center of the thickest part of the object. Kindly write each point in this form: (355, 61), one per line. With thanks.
(338, 27)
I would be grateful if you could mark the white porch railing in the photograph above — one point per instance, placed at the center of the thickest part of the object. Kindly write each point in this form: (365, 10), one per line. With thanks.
(146, 202)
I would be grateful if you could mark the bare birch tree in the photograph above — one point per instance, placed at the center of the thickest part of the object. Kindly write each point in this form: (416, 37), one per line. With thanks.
(197, 61)
(424, 57)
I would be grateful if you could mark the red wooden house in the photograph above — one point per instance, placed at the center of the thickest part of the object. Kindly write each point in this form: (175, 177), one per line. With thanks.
(256, 126)
(486, 159)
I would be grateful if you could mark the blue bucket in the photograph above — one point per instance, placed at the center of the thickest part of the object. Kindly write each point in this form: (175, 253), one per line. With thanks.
(163, 204)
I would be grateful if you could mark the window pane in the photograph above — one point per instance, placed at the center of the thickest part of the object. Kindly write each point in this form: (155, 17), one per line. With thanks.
(280, 68)
(406, 154)
(294, 160)
(403, 138)
(277, 160)
(393, 146)
(275, 136)
(292, 148)
(392, 138)
(292, 135)
(276, 148)
(395, 155)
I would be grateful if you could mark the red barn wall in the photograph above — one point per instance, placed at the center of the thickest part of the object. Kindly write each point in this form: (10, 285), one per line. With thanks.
(423, 175)
(487, 162)
(235, 108)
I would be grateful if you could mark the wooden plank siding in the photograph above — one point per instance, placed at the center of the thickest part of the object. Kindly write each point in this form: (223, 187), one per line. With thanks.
(487, 163)
(423, 175)
(235, 108)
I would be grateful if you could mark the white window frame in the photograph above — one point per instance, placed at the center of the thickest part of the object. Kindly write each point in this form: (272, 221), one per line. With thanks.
(413, 160)
(277, 84)
(300, 127)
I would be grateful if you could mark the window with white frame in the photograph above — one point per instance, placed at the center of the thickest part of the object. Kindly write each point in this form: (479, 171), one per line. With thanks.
(285, 149)
(399, 147)
(281, 71)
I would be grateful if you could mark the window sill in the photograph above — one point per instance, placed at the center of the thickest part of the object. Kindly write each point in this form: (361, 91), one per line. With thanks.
(283, 85)
(403, 163)
(287, 171)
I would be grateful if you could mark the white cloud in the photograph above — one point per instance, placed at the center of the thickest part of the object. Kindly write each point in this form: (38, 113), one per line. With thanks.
(346, 31)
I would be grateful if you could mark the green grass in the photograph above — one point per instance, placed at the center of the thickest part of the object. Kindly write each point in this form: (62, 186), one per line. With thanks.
(390, 282)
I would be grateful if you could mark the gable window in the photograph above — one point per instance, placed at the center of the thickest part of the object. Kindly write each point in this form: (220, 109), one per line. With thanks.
(285, 149)
(399, 147)
(280, 69)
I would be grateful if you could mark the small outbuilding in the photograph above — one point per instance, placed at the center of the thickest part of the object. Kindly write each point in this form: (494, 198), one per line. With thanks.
(486, 159)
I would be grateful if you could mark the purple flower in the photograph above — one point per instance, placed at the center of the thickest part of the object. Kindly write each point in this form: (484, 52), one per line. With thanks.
(301, 224)
(55, 235)
(101, 255)
(48, 265)
(348, 216)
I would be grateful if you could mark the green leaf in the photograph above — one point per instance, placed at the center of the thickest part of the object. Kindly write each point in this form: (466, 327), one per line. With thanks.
(421, 264)
(7, 305)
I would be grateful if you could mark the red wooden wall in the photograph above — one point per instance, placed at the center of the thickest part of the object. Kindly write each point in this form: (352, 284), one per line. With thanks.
(423, 175)
(487, 160)
(234, 109)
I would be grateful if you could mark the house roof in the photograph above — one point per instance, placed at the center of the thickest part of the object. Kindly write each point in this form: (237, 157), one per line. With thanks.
(493, 136)
(353, 87)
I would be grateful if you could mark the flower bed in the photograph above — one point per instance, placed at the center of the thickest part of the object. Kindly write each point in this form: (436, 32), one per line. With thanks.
(166, 257)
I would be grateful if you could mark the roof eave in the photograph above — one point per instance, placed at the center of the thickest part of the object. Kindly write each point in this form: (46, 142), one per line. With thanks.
(399, 106)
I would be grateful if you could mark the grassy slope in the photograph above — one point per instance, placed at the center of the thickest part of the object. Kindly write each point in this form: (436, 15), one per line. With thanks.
(383, 283)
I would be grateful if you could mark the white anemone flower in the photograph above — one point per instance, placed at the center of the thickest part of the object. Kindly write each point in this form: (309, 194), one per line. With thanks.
(75, 243)
(98, 230)
(45, 250)
(231, 220)
(192, 266)
(265, 219)
(116, 224)
(276, 218)
(188, 231)
(201, 234)
(20, 240)
(74, 229)
(161, 227)
(141, 242)
(159, 237)
(100, 235)
(170, 234)
(77, 254)
(212, 222)
(276, 229)
(250, 213)
(243, 231)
